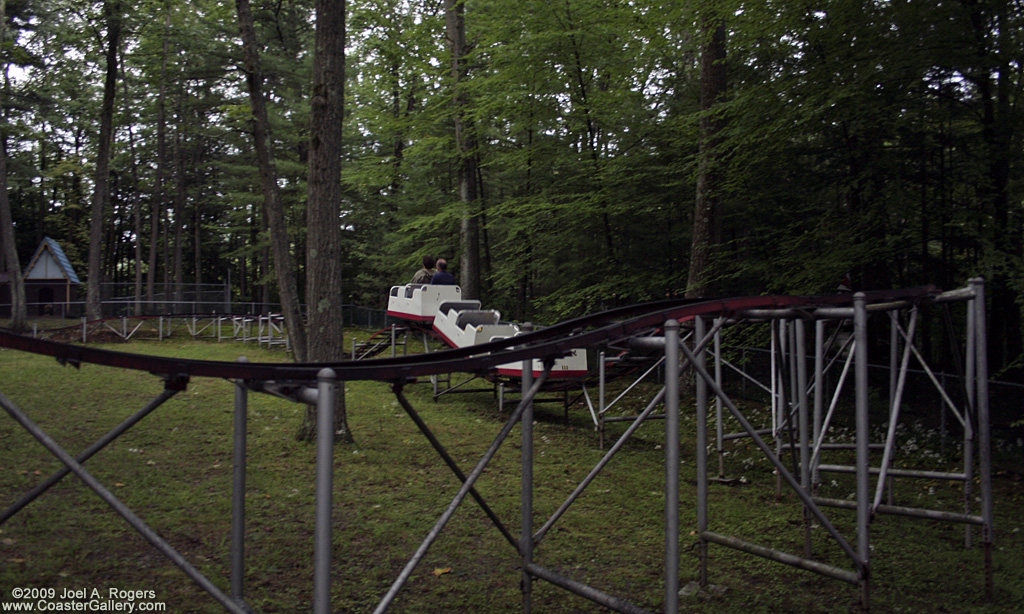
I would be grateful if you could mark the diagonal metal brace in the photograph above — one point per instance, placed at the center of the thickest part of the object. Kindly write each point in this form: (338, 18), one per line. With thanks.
(435, 532)
(101, 443)
(123, 510)
(448, 460)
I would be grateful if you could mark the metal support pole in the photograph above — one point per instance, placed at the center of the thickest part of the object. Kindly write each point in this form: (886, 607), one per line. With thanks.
(984, 441)
(897, 376)
(804, 426)
(970, 385)
(773, 392)
(794, 388)
(860, 331)
(719, 427)
(526, 505)
(672, 461)
(600, 399)
(942, 419)
(743, 365)
(612, 603)
(819, 392)
(894, 353)
(238, 491)
(326, 391)
(702, 458)
(783, 557)
(781, 399)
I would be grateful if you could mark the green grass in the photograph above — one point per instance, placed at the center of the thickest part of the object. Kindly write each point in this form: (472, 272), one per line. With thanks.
(174, 470)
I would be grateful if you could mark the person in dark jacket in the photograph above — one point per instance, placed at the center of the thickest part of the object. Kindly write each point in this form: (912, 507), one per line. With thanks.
(442, 276)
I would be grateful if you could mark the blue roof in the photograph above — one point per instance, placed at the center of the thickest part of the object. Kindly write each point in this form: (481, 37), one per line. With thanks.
(59, 256)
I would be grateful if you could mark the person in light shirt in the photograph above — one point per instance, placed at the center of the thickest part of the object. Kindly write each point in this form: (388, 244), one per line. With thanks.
(423, 275)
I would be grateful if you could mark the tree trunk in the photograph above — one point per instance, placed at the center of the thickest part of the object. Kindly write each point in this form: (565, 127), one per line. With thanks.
(101, 196)
(465, 147)
(19, 311)
(264, 269)
(42, 205)
(136, 207)
(323, 212)
(197, 255)
(158, 205)
(273, 210)
(136, 230)
(180, 197)
(993, 80)
(707, 211)
(991, 74)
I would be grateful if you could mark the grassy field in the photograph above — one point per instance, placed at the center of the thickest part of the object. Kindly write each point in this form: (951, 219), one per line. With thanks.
(174, 470)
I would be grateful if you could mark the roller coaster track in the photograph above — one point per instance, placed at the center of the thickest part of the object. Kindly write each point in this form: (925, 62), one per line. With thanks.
(605, 327)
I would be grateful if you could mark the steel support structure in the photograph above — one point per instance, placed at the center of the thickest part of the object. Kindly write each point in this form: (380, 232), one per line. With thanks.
(800, 427)
(801, 422)
(599, 413)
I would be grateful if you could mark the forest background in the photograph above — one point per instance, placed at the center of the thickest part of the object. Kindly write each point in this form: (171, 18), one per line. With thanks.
(553, 154)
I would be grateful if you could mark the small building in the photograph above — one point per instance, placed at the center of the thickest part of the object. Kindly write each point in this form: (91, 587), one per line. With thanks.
(51, 284)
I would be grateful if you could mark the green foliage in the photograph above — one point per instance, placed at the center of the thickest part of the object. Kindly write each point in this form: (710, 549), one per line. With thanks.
(880, 139)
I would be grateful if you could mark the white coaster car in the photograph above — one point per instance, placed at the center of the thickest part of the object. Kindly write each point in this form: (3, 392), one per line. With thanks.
(463, 323)
(419, 302)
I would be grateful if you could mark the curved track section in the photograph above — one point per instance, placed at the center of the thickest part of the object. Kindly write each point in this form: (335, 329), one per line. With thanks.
(547, 344)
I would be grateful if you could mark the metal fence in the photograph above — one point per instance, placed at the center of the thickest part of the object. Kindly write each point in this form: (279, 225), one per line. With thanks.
(355, 316)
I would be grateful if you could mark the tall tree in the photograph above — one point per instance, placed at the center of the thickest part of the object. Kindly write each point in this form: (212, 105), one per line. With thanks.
(135, 204)
(180, 198)
(993, 27)
(101, 196)
(273, 209)
(465, 148)
(19, 312)
(158, 204)
(323, 212)
(707, 215)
